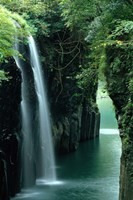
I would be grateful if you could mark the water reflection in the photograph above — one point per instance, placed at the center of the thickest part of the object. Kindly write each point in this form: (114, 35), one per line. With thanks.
(91, 173)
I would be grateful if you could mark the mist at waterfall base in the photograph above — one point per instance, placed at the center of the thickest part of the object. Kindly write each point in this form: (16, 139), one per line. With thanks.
(90, 173)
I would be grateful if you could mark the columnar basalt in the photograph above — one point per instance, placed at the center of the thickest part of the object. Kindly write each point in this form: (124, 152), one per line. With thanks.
(75, 116)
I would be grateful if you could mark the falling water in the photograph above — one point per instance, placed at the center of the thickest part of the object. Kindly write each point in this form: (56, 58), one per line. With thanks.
(28, 158)
(27, 145)
(47, 169)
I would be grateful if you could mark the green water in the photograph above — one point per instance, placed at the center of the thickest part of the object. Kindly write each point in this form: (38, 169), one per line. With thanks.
(90, 173)
(106, 108)
(105, 105)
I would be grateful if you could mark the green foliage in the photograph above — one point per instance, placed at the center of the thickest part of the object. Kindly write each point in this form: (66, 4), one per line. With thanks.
(126, 146)
(43, 16)
(3, 76)
(87, 81)
(11, 25)
(130, 86)
(83, 81)
(119, 34)
(8, 30)
(127, 119)
(123, 30)
(77, 13)
(100, 26)
(108, 24)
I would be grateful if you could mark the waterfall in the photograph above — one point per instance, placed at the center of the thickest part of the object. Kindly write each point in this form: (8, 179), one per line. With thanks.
(47, 163)
(28, 169)
(28, 157)
(37, 156)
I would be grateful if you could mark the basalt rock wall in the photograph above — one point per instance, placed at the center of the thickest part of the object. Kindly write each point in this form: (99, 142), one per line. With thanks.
(79, 126)
(10, 142)
(74, 115)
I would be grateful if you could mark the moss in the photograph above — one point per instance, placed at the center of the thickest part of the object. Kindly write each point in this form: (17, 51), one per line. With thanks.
(126, 145)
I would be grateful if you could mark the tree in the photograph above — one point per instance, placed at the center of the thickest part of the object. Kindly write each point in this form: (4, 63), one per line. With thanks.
(8, 32)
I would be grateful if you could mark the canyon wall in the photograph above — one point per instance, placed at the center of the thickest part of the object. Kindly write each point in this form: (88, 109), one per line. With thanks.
(74, 115)
(10, 131)
(119, 76)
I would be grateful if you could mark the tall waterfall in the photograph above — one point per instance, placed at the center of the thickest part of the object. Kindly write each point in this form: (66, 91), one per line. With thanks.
(28, 168)
(37, 156)
(47, 163)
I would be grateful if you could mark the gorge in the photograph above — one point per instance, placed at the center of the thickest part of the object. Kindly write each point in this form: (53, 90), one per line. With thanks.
(92, 176)
(78, 44)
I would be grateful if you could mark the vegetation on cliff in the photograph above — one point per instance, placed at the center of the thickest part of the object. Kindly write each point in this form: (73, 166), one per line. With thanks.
(11, 25)
(101, 32)
(96, 26)
(82, 40)
(97, 34)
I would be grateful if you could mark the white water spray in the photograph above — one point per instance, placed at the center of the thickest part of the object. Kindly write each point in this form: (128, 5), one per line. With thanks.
(47, 169)
(27, 145)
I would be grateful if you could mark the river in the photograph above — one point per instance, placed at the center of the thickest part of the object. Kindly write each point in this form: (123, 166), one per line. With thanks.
(90, 173)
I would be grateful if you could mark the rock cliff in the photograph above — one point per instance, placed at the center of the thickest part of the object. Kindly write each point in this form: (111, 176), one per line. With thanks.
(10, 131)
(119, 76)
(74, 114)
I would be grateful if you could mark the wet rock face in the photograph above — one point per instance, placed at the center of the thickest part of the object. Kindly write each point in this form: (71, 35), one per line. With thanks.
(90, 123)
(3, 179)
(74, 118)
(79, 127)
(10, 98)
